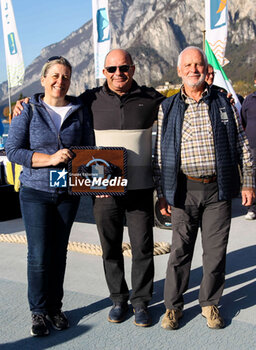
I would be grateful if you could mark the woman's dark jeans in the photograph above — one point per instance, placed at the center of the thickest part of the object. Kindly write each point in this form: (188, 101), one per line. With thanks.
(48, 218)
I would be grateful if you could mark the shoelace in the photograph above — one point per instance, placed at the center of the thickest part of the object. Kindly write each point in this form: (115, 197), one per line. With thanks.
(38, 318)
(141, 310)
(171, 315)
(214, 312)
(58, 316)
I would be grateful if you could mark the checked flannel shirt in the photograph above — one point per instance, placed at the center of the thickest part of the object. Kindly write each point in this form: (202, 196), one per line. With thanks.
(197, 145)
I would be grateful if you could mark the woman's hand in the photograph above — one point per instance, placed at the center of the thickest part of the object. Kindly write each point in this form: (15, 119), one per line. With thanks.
(43, 160)
(61, 156)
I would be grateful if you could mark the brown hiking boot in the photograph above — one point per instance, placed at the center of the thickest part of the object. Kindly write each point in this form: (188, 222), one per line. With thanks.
(212, 315)
(171, 319)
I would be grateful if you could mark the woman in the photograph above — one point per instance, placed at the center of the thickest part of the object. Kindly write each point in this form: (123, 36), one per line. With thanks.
(39, 139)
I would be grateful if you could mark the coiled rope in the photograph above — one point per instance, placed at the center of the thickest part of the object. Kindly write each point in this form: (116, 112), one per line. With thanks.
(160, 248)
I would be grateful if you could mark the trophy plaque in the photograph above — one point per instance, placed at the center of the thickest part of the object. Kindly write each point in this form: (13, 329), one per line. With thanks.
(98, 171)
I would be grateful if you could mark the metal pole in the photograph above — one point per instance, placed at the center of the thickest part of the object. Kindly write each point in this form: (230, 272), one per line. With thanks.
(100, 81)
(10, 104)
(204, 31)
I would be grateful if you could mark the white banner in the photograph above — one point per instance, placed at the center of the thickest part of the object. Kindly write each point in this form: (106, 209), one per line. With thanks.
(216, 26)
(101, 34)
(14, 59)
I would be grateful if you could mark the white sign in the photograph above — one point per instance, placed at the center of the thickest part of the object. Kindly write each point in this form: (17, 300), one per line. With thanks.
(13, 53)
(216, 26)
(101, 35)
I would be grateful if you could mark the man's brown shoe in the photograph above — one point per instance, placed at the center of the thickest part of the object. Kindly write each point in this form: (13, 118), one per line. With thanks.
(171, 319)
(212, 315)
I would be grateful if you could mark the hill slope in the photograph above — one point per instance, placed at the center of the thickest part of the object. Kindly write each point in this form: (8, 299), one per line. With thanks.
(155, 31)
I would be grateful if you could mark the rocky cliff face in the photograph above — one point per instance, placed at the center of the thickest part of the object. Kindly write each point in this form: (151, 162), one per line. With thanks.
(155, 31)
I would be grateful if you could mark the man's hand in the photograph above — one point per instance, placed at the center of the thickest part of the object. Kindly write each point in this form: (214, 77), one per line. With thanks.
(231, 98)
(18, 107)
(248, 196)
(165, 208)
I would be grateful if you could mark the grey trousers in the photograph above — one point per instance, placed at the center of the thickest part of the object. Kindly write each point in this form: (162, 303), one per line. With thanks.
(197, 206)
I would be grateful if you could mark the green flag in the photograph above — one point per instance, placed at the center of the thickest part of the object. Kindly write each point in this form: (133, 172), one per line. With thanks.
(220, 78)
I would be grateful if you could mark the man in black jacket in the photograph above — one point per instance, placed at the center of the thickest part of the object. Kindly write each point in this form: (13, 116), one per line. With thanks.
(248, 116)
(123, 115)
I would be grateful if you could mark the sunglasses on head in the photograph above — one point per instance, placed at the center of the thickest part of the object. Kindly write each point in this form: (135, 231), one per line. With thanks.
(123, 69)
(53, 58)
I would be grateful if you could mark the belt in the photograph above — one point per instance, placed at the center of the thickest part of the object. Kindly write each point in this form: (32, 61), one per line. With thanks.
(205, 180)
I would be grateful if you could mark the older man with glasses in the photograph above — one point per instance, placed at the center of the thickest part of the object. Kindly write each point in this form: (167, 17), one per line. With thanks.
(199, 146)
(123, 115)
(210, 75)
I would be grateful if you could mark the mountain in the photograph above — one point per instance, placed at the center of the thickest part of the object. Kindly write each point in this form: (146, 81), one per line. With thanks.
(154, 31)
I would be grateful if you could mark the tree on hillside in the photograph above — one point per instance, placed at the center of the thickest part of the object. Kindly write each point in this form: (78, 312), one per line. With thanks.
(243, 88)
(6, 109)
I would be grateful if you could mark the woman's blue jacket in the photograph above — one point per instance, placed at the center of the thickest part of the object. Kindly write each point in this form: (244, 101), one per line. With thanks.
(34, 131)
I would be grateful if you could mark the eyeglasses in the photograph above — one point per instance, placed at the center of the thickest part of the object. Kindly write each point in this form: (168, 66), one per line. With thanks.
(53, 58)
(123, 69)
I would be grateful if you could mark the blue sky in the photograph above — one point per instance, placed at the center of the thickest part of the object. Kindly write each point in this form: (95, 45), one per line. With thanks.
(41, 23)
